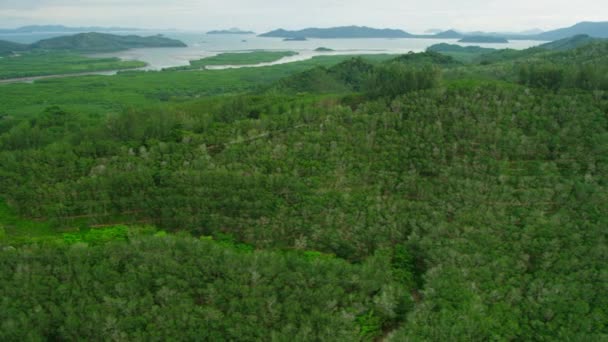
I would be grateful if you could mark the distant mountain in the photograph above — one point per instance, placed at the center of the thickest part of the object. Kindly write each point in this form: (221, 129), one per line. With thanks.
(570, 43)
(483, 39)
(233, 30)
(61, 28)
(7, 48)
(450, 34)
(593, 29)
(339, 32)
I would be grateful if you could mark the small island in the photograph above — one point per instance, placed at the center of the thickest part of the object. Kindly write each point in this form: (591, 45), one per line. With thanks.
(233, 30)
(484, 39)
(323, 49)
(235, 59)
(295, 39)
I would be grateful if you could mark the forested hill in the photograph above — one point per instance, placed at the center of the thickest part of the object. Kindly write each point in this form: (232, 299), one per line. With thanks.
(570, 43)
(339, 32)
(101, 42)
(7, 48)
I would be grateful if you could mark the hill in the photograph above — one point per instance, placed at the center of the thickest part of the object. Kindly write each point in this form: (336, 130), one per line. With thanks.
(593, 29)
(569, 43)
(7, 48)
(339, 32)
(102, 42)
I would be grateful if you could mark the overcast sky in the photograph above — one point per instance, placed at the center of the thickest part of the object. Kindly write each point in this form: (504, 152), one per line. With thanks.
(410, 15)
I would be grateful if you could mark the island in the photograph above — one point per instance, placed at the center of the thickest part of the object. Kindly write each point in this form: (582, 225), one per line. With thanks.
(593, 29)
(295, 39)
(339, 32)
(323, 49)
(103, 42)
(484, 40)
(234, 59)
(233, 30)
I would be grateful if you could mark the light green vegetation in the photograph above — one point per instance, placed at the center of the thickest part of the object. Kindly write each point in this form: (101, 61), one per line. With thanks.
(31, 64)
(237, 58)
(100, 95)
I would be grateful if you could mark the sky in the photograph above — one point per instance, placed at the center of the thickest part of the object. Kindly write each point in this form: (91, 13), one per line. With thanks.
(262, 15)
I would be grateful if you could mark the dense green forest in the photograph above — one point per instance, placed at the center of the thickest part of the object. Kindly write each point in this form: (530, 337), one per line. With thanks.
(408, 198)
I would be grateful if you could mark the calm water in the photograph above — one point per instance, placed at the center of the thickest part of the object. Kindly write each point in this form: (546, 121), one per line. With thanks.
(201, 45)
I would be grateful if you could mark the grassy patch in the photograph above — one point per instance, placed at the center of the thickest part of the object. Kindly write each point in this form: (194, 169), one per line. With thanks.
(44, 64)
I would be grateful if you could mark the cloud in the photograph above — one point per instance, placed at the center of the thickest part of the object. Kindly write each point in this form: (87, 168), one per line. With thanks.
(261, 15)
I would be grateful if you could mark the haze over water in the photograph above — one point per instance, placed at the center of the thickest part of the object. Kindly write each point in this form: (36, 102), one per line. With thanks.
(202, 45)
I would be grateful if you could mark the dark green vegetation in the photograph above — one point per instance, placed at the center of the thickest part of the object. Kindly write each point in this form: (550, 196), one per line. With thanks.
(62, 55)
(40, 64)
(569, 43)
(97, 96)
(481, 55)
(461, 53)
(323, 49)
(237, 58)
(484, 39)
(414, 198)
(9, 48)
(164, 288)
(103, 42)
